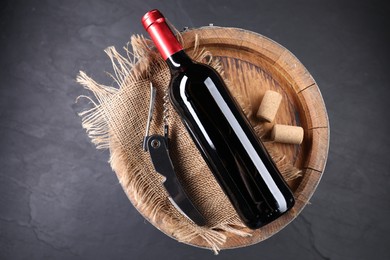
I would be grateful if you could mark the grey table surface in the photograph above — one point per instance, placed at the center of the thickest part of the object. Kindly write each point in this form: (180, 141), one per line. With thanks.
(59, 198)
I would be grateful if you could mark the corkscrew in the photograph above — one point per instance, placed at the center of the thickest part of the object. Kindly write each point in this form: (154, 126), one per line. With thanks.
(157, 146)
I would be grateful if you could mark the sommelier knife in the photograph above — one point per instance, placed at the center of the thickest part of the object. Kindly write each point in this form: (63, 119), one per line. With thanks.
(157, 145)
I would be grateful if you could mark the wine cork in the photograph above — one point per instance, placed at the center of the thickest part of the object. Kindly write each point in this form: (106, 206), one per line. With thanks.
(269, 105)
(287, 134)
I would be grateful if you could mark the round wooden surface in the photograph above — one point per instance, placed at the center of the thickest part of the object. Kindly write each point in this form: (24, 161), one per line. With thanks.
(254, 64)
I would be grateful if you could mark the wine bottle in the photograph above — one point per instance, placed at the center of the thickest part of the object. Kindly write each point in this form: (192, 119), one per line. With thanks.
(221, 132)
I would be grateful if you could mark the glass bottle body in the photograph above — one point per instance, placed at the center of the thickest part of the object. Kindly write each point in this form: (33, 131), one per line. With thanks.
(227, 142)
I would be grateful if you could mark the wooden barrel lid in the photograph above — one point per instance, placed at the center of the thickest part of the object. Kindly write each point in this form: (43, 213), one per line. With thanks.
(255, 64)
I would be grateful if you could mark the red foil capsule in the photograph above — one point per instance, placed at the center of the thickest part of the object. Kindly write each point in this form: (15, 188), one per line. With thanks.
(155, 24)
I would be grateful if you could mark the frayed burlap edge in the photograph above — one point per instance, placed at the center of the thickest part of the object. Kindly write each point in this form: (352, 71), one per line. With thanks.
(129, 70)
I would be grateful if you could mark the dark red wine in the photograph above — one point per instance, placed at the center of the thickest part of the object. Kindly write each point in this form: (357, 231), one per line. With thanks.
(221, 132)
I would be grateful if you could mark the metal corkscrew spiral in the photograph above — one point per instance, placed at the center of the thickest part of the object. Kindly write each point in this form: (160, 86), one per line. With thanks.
(166, 112)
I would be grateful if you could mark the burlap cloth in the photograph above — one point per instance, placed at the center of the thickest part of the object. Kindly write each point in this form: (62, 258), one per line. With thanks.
(117, 122)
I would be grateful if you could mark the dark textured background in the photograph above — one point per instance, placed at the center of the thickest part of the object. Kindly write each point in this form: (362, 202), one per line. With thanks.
(59, 198)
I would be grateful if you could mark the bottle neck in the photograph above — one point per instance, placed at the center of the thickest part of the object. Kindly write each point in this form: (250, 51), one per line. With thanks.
(164, 39)
(178, 61)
